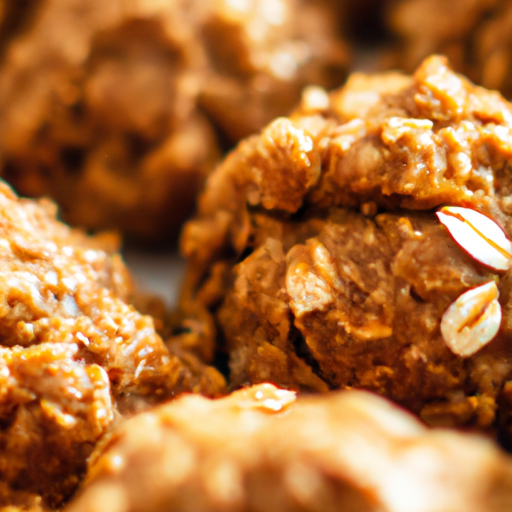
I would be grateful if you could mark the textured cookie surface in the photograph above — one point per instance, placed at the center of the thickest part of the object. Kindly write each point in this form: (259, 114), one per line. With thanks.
(73, 353)
(318, 249)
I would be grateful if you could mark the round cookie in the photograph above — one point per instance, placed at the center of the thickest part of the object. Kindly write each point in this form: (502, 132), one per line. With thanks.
(318, 250)
(258, 450)
(74, 355)
(111, 108)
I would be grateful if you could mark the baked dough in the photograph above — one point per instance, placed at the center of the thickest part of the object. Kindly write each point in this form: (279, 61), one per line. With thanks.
(258, 451)
(318, 250)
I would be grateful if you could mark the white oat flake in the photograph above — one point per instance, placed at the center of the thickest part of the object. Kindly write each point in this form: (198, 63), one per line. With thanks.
(478, 235)
(473, 320)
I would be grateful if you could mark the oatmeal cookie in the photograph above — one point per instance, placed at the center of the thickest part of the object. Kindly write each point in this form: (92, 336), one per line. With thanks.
(107, 106)
(97, 110)
(257, 450)
(74, 355)
(318, 250)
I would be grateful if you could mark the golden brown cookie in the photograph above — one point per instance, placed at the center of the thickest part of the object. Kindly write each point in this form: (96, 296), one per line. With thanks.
(74, 354)
(318, 250)
(258, 450)
(111, 107)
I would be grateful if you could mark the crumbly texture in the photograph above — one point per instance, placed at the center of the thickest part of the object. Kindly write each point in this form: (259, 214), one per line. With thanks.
(107, 106)
(474, 34)
(74, 354)
(347, 451)
(318, 251)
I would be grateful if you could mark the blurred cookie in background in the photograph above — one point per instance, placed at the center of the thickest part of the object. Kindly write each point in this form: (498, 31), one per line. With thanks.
(476, 35)
(259, 450)
(112, 108)
(262, 53)
(97, 111)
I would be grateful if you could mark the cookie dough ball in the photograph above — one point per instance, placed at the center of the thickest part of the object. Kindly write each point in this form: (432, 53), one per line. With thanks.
(74, 354)
(261, 54)
(256, 450)
(475, 34)
(102, 106)
(318, 250)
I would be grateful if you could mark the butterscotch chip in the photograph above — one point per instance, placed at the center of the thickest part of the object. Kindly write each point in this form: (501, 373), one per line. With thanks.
(347, 451)
(74, 355)
(336, 272)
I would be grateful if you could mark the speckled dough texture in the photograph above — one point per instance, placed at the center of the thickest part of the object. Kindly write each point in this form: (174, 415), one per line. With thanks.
(110, 106)
(74, 354)
(345, 452)
(318, 252)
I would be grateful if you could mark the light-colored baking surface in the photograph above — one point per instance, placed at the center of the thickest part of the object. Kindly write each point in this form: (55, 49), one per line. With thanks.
(160, 273)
